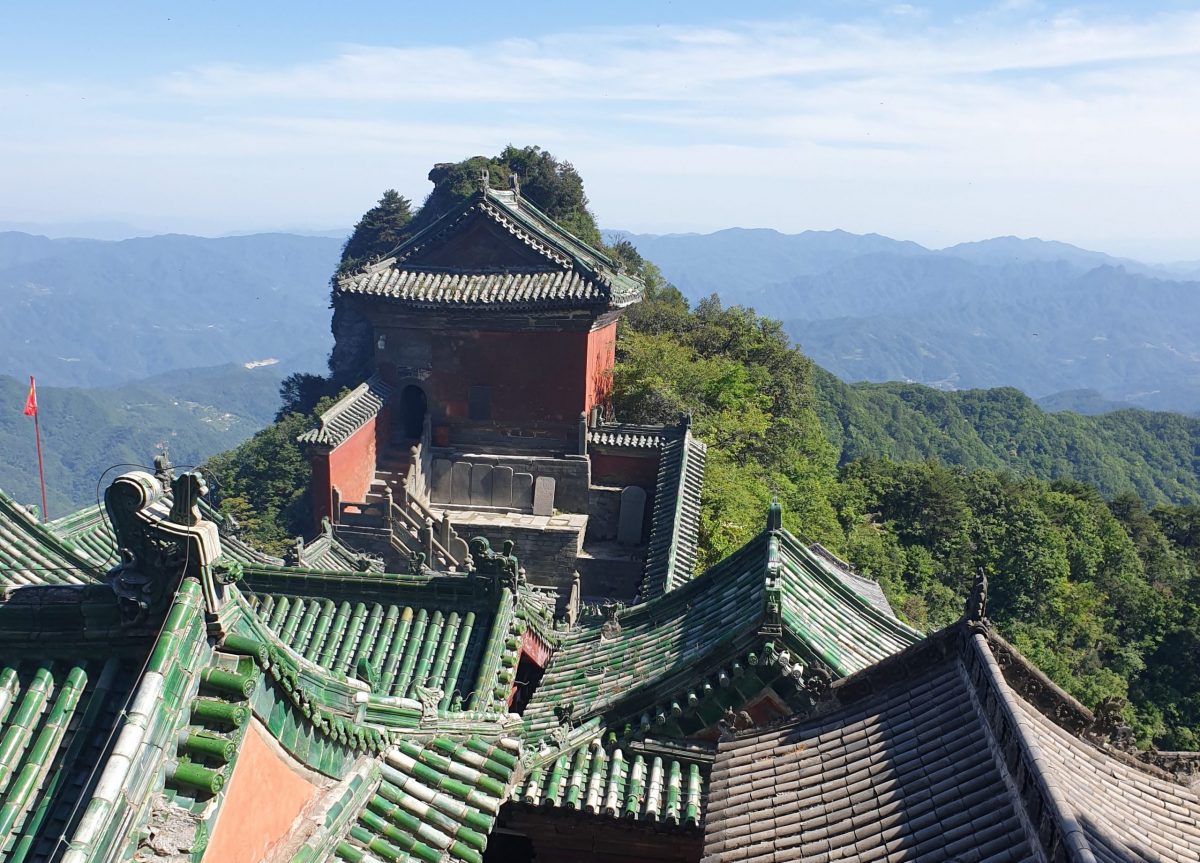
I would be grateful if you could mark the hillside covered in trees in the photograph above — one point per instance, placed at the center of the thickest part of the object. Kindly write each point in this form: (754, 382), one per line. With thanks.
(1153, 453)
(1099, 588)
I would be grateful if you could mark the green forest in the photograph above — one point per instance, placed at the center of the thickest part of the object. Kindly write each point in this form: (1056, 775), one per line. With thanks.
(1097, 581)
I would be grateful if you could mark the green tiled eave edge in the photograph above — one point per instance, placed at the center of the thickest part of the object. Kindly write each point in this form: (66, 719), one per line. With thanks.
(121, 801)
(874, 635)
(662, 614)
(648, 786)
(805, 587)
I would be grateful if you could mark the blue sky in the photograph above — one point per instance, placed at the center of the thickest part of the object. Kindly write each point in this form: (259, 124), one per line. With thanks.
(937, 122)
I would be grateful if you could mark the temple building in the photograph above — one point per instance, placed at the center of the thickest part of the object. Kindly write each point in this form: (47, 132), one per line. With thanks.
(493, 646)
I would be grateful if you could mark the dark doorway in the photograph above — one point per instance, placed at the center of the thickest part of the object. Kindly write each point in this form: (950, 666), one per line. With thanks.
(412, 411)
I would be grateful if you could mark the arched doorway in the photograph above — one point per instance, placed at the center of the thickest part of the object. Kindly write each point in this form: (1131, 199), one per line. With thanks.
(413, 406)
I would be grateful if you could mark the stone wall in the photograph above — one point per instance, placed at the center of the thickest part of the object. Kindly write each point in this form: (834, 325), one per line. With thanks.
(571, 477)
(547, 550)
(604, 508)
(602, 577)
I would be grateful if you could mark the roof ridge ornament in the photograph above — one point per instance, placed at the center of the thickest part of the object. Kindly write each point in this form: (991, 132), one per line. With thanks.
(484, 180)
(515, 181)
(775, 515)
(976, 608)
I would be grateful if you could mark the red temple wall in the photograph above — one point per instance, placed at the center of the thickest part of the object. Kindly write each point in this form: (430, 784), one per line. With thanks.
(265, 797)
(534, 376)
(601, 355)
(622, 470)
(350, 466)
(352, 463)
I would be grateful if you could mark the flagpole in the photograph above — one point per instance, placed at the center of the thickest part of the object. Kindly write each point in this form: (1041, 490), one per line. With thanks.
(37, 432)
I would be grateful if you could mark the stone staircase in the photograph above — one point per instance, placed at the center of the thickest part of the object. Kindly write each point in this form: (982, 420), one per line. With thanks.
(391, 471)
(396, 524)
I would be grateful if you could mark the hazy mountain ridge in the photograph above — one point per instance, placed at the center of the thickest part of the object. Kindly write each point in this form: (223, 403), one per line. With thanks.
(1042, 316)
(93, 312)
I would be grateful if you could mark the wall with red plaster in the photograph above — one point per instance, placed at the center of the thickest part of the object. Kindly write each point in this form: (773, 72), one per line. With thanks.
(265, 795)
(350, 466)
(601, 356)
(623, 470)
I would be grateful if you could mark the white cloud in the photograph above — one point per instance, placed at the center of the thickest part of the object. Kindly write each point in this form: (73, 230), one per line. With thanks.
(917, 129)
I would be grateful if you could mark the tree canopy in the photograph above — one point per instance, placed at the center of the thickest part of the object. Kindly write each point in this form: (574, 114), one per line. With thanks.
(551, 185)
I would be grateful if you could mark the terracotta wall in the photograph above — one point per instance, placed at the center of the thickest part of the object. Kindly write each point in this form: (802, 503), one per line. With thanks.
(265, 795)
(350, 466)
(623, 470)
(601, 355)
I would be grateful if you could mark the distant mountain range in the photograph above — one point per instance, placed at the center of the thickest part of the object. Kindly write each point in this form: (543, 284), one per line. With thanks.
(184, 340)
(99, 313)
(1046, 317)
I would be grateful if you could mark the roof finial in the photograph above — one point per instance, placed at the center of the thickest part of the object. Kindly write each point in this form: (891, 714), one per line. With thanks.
(515, 180)
(775, 515)
(976, 610)
(484, 180)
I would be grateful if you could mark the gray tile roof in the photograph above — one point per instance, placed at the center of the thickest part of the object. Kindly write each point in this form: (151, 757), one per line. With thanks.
(563, 287)
(350, 413)
(570, 272)
(931, 755)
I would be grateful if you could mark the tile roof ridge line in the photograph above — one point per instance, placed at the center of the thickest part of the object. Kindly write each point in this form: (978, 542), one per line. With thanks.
(793, 544)
(1074, 839)
(524, 204)
(1009, 775)
(996, 642)
(45, 534)
(345, 402)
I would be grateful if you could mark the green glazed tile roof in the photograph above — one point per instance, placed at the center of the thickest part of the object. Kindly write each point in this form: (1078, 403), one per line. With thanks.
(436, 801)
(675, 524)
(571, 273)
(89, 533)
(408, 646)
(327, 552)
(834, 621)
(637, 787)
(714, 618)
(54, 719)
(31, 553)
(656, 639)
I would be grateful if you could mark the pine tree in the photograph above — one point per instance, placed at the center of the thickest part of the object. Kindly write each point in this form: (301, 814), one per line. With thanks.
(381, 229)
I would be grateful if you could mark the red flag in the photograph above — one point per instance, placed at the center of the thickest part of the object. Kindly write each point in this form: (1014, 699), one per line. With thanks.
(31, 400)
